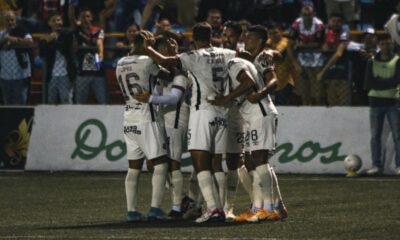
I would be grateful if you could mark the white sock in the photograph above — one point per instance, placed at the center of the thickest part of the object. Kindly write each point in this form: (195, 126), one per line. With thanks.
(158, 181)
(131, 186)
(177, 188)
(231, 182)
(264, 173)
(277, 192)
(207, 187)
(220, 178)
(246, 180)
(258, 196)
(194, 190)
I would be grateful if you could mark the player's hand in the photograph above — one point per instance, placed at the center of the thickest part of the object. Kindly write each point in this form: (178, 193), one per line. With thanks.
(173, 45)
(219, 100)
(142, 97)
(254, 97)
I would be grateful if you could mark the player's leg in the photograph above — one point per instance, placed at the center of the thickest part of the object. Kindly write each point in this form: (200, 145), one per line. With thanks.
(219, 176)
(177, 188)
(232, 178)
(131, 187)
(158, 181)
(277, 196)
(135, 160)
(192, 204)
(202, 164)
(201, 137)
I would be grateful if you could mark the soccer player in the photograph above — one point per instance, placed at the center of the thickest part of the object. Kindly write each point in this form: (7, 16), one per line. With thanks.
(207, 123)
(143, 133)
(255, 44)
(175, 113)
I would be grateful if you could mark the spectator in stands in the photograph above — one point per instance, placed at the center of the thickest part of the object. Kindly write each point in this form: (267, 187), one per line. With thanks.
(393, 27)
(27, 13)
(56, 50)
(283, 66)
(15, 70)
(349, 9)
(334, 75)
(90, 56)
(128, 43)
(165, 29)
(306, 36)
(185, 12)
(359, 54)
(382, 80)
(214, 18)
(265, 11)
(244, 24)
(128, 11)
(106, 16)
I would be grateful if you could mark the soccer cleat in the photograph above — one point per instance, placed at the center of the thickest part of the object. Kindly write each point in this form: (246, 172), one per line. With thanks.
(192, 213)
(155, 214)
(229, 216)
(215, 215)
(262, 215)
(244, 216)
(175, 214)
(374, 171)
(186, 203)
(134, 216)
(397, 171)
(282, 210)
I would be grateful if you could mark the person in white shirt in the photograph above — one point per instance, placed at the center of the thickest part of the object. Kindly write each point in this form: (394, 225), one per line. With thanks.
(175, 111)
(143, 131)
(207, 123)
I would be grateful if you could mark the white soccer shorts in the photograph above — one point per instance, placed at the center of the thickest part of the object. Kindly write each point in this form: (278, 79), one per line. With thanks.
(207, 131)
(176, 138)
(145, 140)
(261, 134)
(235, 135)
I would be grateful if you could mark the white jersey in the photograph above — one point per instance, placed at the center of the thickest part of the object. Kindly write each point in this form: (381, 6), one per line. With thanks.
(249, 110)
(209, 70)
(136, 74)
(263, 62)
(177, 116)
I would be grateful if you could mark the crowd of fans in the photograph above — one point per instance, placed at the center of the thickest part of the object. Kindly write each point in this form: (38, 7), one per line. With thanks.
(321, 64)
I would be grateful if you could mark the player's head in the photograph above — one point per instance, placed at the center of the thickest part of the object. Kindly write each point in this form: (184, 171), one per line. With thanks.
(139, 39)
(231, 34)
(163, 46)
(201, 33)
(256, 38)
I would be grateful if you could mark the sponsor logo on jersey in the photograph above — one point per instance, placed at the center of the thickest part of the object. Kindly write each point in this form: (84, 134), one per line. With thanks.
(132, 129)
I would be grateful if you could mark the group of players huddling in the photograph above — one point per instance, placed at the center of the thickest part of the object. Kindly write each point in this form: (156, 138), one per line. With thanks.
(230, 113)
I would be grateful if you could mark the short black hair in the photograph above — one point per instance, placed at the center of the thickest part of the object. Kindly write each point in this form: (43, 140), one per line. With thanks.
(235, 26)
(202, 32)
(133, 24)
(260, 31)
(139, 39)
(160, 41)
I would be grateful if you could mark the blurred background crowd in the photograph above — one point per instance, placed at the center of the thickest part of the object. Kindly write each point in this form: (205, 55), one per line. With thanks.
(64, 51)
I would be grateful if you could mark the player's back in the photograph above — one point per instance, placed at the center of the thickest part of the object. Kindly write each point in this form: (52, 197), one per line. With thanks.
(136, 74)
(209, 70)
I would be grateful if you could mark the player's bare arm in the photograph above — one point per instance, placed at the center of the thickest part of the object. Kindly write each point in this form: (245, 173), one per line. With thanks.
(246, 82)
(270, 85)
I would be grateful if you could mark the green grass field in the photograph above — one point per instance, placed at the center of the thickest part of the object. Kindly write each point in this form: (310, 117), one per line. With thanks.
(35, 205)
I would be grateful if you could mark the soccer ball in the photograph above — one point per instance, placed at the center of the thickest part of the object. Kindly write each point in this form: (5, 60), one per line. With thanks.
(352, 163)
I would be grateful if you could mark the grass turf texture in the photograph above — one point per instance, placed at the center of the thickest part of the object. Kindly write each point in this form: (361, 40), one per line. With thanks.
(70, 205)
